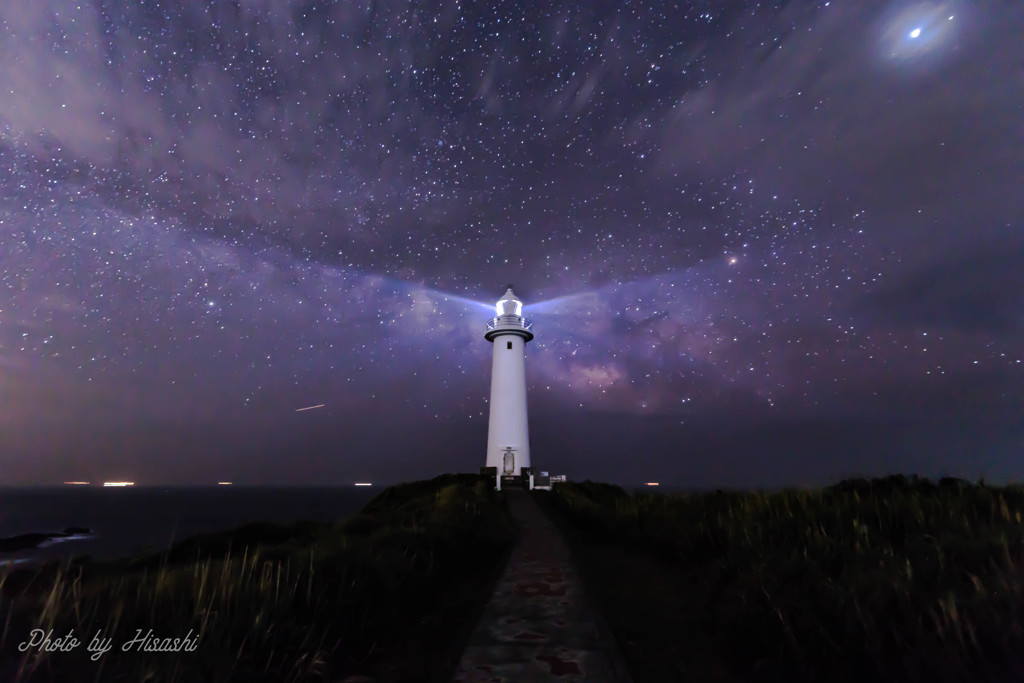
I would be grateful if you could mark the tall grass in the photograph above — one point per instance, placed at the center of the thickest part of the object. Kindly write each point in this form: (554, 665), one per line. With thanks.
(376, 594)
(892, 579)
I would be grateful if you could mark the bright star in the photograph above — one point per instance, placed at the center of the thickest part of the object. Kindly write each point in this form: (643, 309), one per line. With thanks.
(918, 35)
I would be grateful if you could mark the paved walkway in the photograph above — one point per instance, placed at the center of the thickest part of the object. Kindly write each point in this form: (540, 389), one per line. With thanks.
(538, 624)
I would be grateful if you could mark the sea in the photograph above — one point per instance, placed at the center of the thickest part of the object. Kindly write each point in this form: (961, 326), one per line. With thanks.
(131, 520)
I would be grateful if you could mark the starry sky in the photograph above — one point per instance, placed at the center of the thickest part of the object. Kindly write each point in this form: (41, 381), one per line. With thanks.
(761, 244)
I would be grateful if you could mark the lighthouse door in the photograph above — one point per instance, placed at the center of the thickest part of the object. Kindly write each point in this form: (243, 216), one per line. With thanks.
(510, 461)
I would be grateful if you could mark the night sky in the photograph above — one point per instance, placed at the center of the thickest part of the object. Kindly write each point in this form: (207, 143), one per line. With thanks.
(761, 244)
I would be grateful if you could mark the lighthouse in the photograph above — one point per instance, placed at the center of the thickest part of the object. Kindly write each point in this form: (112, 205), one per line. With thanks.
(508, 437)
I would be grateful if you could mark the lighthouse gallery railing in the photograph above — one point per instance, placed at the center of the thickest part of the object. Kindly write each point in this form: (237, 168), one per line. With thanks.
(515, 321)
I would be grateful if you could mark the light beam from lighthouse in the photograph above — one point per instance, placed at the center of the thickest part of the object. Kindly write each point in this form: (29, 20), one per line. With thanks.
(508, 436)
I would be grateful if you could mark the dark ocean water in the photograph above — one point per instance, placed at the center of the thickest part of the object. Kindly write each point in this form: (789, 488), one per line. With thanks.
(126, 521)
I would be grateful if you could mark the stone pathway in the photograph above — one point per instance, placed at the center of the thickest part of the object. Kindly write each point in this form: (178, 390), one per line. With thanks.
(538, 624)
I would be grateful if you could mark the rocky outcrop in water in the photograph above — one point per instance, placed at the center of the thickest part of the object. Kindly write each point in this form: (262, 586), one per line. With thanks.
(13, 544)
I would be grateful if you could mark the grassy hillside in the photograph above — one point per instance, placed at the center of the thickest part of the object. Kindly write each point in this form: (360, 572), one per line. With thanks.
(380, 594)
(892, 579)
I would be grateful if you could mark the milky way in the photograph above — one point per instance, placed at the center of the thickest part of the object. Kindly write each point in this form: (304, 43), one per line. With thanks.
(761, 244)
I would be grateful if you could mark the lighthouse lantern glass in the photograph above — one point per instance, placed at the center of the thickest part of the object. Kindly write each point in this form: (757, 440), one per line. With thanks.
(509, 307)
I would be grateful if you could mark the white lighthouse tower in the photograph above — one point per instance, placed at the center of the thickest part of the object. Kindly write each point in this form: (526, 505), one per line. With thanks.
(508, 438)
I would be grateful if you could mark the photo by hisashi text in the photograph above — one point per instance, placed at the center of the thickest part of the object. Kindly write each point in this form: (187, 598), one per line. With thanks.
(43, 641)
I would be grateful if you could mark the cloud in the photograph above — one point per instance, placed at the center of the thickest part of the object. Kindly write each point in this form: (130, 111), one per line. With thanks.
(279, 121)
(826, 114)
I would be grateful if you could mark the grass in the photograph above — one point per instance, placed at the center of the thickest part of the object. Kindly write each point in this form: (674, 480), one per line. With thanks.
(891, 579)
(384, 594)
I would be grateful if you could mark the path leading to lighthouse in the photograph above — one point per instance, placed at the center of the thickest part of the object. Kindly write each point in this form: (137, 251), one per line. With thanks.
(538, 624)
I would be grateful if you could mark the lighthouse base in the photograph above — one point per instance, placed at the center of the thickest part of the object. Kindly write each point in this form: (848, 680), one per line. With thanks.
(524, 480)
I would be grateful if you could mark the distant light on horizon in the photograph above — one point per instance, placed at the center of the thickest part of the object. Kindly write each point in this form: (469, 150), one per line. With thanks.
(119, 483)
(77, 483)
(363, 483)
(651, 483)
(223, 483)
